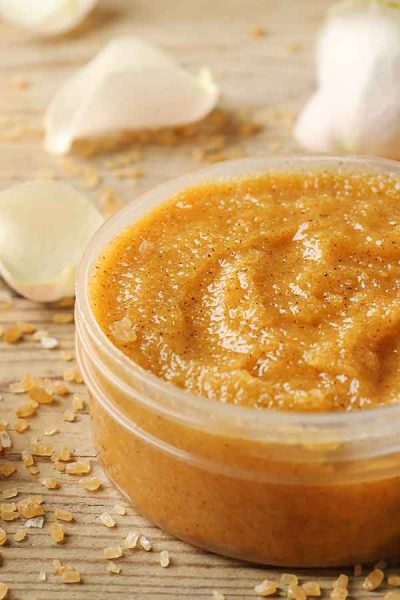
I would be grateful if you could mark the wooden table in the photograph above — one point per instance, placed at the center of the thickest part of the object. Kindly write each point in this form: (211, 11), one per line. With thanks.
(270, 75)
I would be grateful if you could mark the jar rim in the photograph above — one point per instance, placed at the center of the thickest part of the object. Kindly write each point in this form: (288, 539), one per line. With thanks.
(201, 412)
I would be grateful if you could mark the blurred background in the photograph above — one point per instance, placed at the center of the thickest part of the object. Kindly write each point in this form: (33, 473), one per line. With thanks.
(260, 53)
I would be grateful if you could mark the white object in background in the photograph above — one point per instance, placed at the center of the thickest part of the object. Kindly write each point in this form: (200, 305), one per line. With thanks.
(46, 17)
(356, 107)
(44, 228)
(128, 85)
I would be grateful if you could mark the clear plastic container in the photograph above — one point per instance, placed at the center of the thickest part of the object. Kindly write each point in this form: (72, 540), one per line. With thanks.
(295, 489)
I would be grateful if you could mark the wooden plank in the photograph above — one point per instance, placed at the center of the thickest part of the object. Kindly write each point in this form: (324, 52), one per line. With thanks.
(270, 75)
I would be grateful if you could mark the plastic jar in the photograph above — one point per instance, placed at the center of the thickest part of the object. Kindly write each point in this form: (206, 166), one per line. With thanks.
(289, 489)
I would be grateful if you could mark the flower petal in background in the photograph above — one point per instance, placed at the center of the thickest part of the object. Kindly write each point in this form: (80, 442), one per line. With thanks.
(46, 17)
(128, 85)
(44, 227)
(356, 107)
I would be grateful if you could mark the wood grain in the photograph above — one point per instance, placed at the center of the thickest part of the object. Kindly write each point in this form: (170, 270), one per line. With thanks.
(270, 75)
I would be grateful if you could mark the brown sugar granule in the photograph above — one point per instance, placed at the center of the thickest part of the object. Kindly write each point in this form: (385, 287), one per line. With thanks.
(20, 535)
(13, 334)
(67, 356)
(164, 559)
(8, 511)
(258, 32)
(51, 431)
(123, 330)
(17, 387)
(59, 466)
(112, 552)
(42, 576)
(63, 455)
(216, 595)
(3, 536)
(27, 409)
(77, 403)
(72, 374)
(107, 519)
(40, 334)
(394, 580)
(373, 580)
(91, 178)
(69, 374)
(287, 579)
(339, 593)
(63, 515)
(27, 458)
(27, 327)
(341, 582)
(92, 484)
(38, 499)
(63, 318)
(33, 470)
(120, 509)
(7, 468)
(3, 591)
(57, 533)
(312, 588)
(67, 302)
(10, 493)
(127, 173)
(77, 468)
(295, 592)
(61, 389)
(71, 575)
(9, 516)
(5, 440)
(7, 506)
(69, 415)
(110, 202)
(145, 543)
(131, 540)
(20, 425)
(266, 588)
(30, 509)
(52, 483)
(57, 567)
(40, 395)
(70, 167)
(113, 568)
(42, 450)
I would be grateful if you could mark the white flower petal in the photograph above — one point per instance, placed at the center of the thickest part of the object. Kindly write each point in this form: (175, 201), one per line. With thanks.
(46, 17)
(357, 104)
(44, 227)
(128, 85)
(313, 128)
